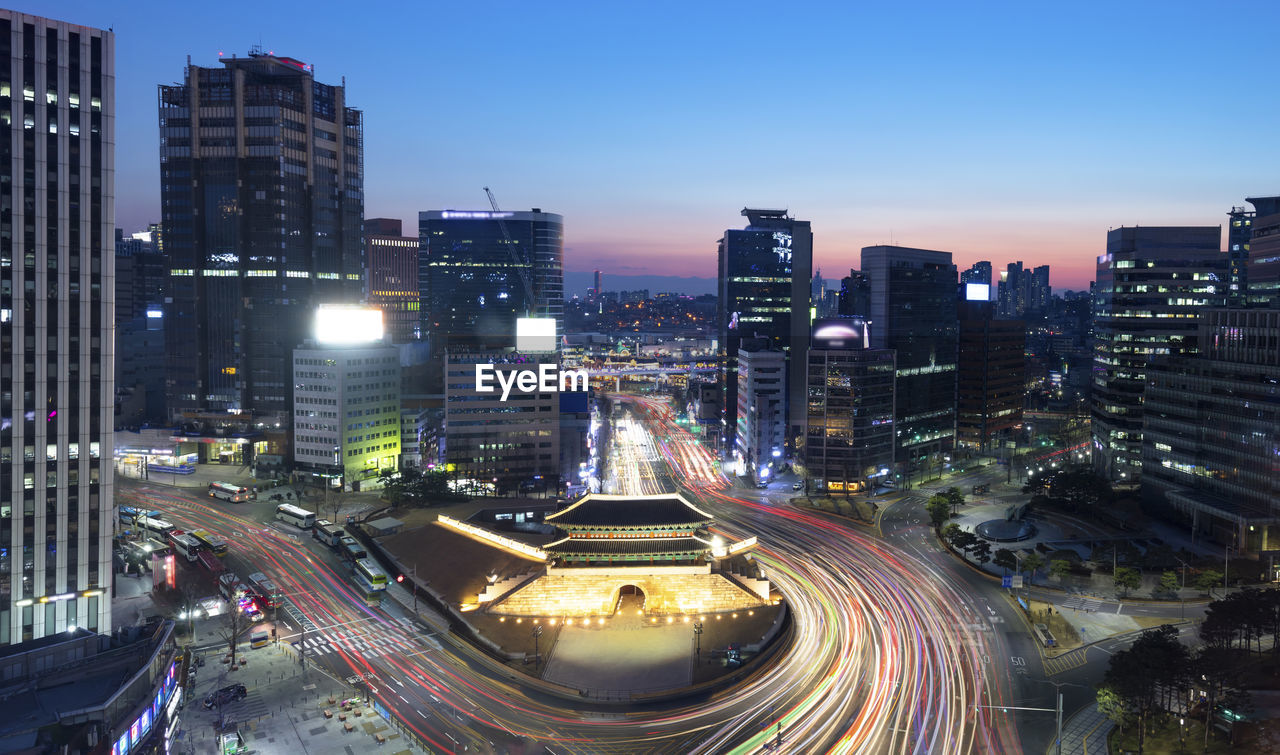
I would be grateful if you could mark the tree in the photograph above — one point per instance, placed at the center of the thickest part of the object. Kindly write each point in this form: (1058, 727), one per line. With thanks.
(1208, 579)
(1114, 707)
(234, 625)
(982, 551)
(1005, 559)
(1080, 489)
(1169, 582)
(950, 531)
(1031, 564)
(1148, 677)
(939, 511)
(954, 498)
(1059, 568)
(1126, 578)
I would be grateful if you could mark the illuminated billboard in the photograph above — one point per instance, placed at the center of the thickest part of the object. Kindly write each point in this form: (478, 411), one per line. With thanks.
(841, 334)
(977, 292)
(536, 334)
(345, 325)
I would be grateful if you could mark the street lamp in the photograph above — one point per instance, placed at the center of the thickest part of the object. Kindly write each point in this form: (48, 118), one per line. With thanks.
(697, 638)
(537, 632)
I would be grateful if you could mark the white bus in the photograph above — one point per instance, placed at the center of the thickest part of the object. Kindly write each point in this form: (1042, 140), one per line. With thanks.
(328, 533)
(230, 492)
(370, 576)
(298, 517)
(186, 546)
(158, 527)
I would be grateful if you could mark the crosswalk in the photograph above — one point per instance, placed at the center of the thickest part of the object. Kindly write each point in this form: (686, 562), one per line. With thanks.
(368, 640)
(1082, 604)
(1065, 662)
(253, 707)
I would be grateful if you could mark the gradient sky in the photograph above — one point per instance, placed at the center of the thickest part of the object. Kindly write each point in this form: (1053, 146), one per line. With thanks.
(995, 131)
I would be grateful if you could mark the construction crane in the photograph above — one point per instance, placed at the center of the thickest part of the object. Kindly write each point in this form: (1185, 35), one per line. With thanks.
(522, 266)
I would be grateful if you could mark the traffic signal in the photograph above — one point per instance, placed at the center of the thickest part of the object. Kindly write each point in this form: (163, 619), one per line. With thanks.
(399, 578)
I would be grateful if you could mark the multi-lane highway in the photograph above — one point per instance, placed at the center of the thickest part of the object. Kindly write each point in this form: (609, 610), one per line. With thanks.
(891, 653)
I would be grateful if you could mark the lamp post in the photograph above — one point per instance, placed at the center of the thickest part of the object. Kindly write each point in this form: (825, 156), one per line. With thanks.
(537, 632)
(697, 639)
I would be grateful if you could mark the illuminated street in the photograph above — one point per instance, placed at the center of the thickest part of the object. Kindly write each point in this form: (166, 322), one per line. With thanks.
(885, 657)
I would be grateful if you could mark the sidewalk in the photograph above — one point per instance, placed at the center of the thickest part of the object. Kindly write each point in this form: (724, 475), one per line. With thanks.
(1085, 732)
(283, 713)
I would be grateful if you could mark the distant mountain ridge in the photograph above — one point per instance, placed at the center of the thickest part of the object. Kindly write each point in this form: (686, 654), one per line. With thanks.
(577, 283)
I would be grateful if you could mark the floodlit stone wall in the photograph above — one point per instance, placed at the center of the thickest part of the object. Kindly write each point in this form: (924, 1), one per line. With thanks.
(565, 593)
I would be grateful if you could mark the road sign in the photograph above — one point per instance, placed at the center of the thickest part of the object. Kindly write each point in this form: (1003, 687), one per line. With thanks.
(1006, 581)
(1017, 582)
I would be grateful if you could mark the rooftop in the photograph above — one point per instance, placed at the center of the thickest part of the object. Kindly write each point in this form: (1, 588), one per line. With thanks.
(629, 511)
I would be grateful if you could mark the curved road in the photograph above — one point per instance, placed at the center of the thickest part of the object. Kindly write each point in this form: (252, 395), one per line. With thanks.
(885, 656)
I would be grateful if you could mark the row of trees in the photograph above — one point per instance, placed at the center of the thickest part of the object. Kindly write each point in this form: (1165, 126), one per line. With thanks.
(942, 506)
(411, 487)
(1159, 678)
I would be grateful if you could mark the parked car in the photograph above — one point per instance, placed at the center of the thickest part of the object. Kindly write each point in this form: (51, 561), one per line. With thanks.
(762, 484)
(798, 486)
(228, 694)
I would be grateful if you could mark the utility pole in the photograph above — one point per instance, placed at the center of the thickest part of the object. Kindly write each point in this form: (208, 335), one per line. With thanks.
(415, 587)
(537, 632)
(697, 638)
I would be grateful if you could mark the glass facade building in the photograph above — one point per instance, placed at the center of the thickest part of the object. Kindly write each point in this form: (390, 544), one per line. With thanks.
(393, 277)
(470, 279)
(849, 439)
(1211, 431)
(1152, 284)
(57, 302)
(262, 194)
(913, 312)
(763, 292)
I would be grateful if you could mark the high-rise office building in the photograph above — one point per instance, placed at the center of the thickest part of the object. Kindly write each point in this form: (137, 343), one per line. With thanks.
(849, 437)
(1264, 253)
(1239, 235)
(346, 424)
(764, 274)
(855, 296)
(392, 265)
(1152, 284)
(262, 190)
(1039, 294)
(991, 374)
(1012, 292)
(598, 284)
(57, 268)
(478, 270)
(762, 384)
(1211, 427)
(142, 281)
(913, 312)
(980, 272)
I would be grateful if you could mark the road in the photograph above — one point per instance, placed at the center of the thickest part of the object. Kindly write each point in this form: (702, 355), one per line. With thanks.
(897, 647)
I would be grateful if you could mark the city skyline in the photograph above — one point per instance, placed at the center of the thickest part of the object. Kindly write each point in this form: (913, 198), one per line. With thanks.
(1019, 136)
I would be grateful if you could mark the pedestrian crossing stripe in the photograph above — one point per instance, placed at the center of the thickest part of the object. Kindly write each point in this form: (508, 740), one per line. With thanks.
(1072, 660)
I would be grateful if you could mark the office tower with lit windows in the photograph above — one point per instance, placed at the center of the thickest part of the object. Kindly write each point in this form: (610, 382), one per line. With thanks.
(1039, 294)
(1239, 236)
(991, 372)
(478, 272)
(913, 312)
(764, 275)
(849, 436)
(57, 283)
(1152, 285)
(262, 194)
(1264, 253)
(855, 296)
(762, 397)
(392, 268)
(980, 272)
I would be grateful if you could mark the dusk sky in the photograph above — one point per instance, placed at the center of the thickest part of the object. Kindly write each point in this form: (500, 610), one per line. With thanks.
(994, 131)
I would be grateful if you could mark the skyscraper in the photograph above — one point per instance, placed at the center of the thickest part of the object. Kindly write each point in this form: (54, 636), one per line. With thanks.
(1239, 235)
(855, 296)
(1012, 292)
(57, 268)
(913, 311)
(1039, 293)
(1152, 285)
(262, 189)
(991, 375)
(392, 264)
(764, 275)
(980, 272)
(849, 438)
(473, 283)
(1264, 253)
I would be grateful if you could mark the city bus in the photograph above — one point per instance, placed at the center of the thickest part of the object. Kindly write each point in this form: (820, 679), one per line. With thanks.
(327, 532)
(185, 545)
(215, 544)
(372, 579)
(298, 517)
(158, 527)
(230, 492)
(352, 549)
